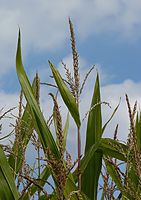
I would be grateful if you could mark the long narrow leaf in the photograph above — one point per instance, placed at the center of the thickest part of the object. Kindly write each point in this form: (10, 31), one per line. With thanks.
(116, 178)
(5, 192)
(40, 125)
(94, 132)
(114, 149)
(8, 188)
(115, 110)
(108, 147)
(70, 188)
(67, 96)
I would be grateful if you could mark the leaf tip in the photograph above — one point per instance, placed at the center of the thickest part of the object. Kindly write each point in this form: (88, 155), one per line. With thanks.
(18, 54)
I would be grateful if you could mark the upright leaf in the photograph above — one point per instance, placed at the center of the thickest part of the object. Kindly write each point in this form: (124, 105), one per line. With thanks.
(94, 132)
(40, 125)
(138, 130)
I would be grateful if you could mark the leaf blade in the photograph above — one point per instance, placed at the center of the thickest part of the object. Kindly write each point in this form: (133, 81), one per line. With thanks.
(67, 96)
(93, 135)
(40, 125)
(10, 190)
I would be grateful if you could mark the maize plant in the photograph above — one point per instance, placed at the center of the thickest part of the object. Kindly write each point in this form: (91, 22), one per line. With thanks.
(18, 181)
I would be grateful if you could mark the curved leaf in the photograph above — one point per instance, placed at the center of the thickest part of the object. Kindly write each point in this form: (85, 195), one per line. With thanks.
(40, 125)
(67, 96)
(114, 149)
(106, 146)
(105, 125)
(8, 188)
(116, 178)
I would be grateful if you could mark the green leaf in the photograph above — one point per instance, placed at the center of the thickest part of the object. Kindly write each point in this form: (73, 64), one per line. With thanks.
(67, 96)
(86, 159)
(70, 187)
(5, 192)
(114, 149)
(8, 188)
(105, 125)
(94, 132)
(116, 178)
(106, 146)
(138, 130)
(40, 125)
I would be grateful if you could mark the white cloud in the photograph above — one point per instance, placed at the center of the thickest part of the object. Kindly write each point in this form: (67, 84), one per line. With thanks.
(112, 93)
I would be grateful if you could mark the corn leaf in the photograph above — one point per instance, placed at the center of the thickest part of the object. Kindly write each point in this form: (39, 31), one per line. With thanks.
(105, 125)
(116, 178)
(67, 96)
(40, 125)
(71, 187)
(5, 192)
(138, 130)
(108, 147)
(114, 149)
(8, 188)
(86, 159)
(90, 176)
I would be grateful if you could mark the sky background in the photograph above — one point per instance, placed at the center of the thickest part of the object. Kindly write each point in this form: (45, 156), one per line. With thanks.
(108, 34)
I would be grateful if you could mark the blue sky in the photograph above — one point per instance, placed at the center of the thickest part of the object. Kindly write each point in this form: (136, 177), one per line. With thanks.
(108, 34)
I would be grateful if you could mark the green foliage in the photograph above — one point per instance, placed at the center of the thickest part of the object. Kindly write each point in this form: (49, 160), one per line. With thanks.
(81, 183)
(67, 96)
(40, 125)
(7, 184)
(91, 175)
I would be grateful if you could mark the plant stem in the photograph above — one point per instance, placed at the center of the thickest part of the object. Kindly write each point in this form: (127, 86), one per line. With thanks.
(79, 159)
